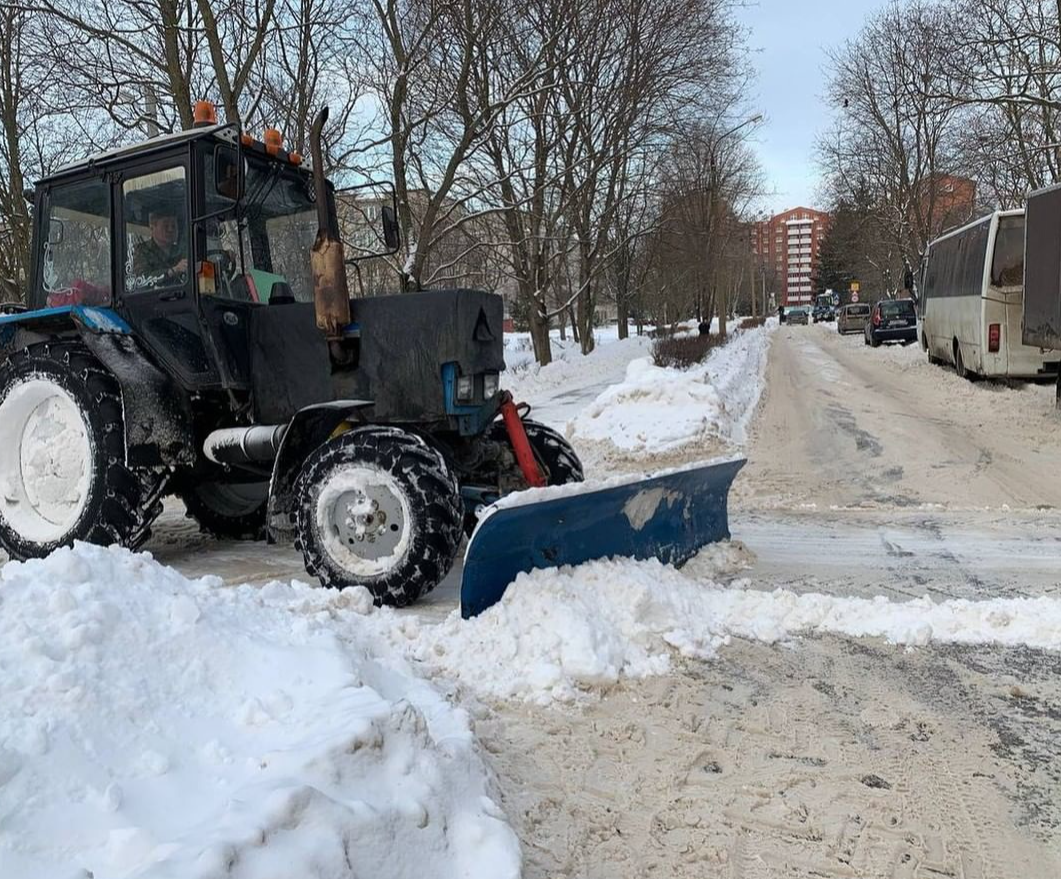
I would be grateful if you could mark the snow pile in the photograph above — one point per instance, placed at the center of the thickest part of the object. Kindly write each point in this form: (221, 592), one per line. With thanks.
(559, 632)
(571, 370)
(660, 410)
(155, 726)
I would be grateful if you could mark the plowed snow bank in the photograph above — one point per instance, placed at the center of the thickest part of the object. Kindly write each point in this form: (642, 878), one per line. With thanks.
(155, 726)
(558, 633)
(658, 409)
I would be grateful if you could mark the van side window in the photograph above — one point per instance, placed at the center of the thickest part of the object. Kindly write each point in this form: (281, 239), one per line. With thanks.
(76, 258)
(1007, 266)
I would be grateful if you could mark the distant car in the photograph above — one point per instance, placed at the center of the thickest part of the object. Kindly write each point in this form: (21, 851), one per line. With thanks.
(892, 320)
(824, 313)
(797, 314)
(852, 318)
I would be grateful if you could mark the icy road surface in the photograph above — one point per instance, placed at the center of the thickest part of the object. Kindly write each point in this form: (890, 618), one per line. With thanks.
(871, 474)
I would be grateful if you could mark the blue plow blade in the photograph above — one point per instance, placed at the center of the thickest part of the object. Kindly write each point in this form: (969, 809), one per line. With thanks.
(668, 517)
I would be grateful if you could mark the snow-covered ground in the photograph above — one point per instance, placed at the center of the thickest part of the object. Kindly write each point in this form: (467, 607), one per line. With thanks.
(258, 728)
(656, 412)
(158, 726)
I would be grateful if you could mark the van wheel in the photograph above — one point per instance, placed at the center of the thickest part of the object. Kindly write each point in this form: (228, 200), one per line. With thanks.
(959, 366)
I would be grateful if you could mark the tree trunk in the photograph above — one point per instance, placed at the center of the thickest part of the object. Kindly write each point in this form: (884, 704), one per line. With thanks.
(539, 330)
(574, 324)
(623, 314)
(723, 306)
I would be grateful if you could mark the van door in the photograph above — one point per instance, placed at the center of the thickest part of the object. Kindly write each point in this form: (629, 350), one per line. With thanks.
(1004, 307)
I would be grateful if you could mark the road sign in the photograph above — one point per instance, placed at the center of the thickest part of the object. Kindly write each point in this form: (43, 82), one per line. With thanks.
(855, 287)
(854, 295)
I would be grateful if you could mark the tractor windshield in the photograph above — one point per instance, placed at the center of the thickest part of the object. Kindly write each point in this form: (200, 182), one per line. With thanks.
(265, 253)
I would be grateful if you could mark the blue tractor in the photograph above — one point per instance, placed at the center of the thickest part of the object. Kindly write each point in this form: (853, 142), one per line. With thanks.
(189, 331)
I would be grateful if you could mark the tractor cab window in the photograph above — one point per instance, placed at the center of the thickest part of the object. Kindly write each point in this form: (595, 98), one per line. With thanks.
(156, 235)
(76, 262)
(264, 255)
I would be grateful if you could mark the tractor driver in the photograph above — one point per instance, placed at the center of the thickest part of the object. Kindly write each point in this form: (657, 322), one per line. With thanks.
(160, 259)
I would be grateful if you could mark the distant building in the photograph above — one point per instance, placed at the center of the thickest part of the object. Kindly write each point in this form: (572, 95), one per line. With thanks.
(786, 249)
(951, 201)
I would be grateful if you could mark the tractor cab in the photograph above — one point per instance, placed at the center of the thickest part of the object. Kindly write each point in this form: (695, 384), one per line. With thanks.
(181, 237)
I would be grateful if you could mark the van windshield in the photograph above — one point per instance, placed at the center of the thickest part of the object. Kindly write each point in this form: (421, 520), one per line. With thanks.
(857, 310)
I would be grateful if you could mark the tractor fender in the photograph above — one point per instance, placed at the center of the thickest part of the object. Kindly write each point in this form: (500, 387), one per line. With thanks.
(158, 418)
(158, 415)
(310, 427)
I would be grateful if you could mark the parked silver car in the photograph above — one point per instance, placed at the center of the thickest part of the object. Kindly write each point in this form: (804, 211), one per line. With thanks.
(852, 318)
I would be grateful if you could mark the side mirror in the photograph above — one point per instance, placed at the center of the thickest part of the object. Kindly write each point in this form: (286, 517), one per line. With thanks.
(368, 220)
(392, 235)
(227, 178)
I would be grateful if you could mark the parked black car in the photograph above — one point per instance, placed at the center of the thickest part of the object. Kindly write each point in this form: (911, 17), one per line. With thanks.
(796, 314)
(824, 313)
(892, 320)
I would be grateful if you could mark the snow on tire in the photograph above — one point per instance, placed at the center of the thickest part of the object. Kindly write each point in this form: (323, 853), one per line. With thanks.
(379, 508)
(62, 474)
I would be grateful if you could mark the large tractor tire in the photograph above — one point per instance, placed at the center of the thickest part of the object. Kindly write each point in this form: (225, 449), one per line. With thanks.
(379, 507)
(229, 510)
(63, 475)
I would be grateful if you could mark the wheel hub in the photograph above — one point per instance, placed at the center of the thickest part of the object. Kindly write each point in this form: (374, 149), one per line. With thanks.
(45, 478)
(365, 519)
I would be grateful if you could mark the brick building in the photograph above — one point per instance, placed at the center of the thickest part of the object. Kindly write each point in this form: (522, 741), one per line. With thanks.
(785, 248)
(946, 201)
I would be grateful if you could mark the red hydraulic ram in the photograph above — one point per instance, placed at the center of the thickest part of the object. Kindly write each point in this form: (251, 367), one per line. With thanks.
(517, 435)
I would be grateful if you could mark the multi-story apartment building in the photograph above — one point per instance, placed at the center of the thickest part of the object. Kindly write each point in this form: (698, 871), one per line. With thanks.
(785, 248)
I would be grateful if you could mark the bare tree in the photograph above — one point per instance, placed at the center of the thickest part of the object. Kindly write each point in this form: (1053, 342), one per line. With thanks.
(897, 121)
(144, 62)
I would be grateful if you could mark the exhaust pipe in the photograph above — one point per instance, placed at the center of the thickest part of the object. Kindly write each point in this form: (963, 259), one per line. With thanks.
(245, 445)
(331, 297)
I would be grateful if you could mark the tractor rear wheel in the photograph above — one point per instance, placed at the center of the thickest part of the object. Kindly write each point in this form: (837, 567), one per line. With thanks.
(63, 475)
(229, 510)
(379, 507)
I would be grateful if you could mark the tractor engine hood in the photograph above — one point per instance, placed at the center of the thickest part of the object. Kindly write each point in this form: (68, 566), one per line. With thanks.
(406, 340)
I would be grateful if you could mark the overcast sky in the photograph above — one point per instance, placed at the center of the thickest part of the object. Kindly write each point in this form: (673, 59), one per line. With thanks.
(788, 40)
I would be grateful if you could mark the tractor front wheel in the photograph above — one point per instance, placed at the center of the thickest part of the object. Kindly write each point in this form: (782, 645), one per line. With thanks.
(379, 508)
(229, 510)
(63, 475)
(560, 460)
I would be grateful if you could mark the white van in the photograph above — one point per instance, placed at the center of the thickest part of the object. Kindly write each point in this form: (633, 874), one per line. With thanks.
(972, 301)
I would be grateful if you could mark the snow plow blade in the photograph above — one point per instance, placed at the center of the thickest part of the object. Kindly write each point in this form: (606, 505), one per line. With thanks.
(668, 517)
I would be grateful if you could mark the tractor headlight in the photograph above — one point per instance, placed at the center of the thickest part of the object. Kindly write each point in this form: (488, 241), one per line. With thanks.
(491, 383)
(465, 388)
